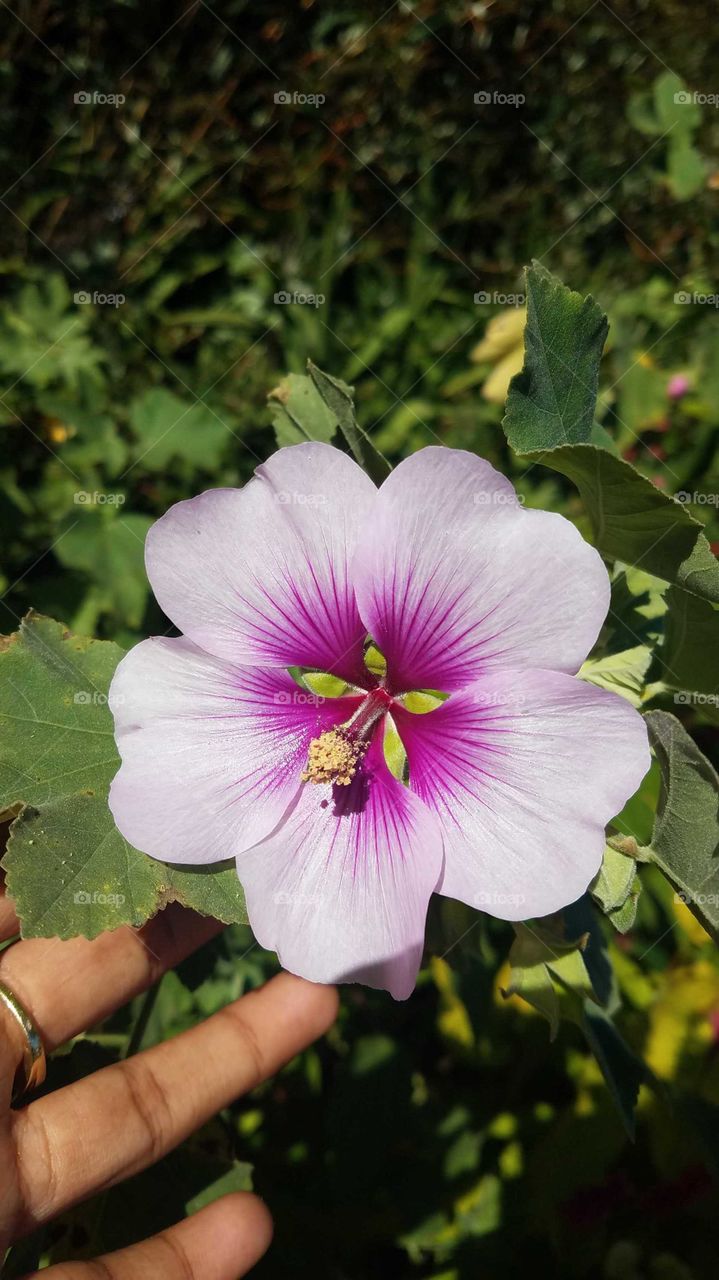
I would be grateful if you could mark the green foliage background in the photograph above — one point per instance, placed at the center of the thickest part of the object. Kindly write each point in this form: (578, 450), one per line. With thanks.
(448, 1137)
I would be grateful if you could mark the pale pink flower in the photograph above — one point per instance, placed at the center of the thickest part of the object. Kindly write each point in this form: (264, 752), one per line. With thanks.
(511, 779)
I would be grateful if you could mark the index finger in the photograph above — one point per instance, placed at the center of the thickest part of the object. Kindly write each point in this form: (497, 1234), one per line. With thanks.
(117, 1121)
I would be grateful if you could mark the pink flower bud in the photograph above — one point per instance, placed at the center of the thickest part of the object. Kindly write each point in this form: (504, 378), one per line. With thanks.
(678, 386)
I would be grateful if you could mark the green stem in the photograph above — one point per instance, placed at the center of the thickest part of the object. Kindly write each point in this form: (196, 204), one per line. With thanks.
(135, 1042)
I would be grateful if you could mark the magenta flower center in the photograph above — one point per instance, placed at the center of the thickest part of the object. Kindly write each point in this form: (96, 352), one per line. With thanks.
(336, 754)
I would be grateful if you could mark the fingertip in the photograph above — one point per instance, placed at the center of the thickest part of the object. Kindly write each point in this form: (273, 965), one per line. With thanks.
(237, 1231)
(315, 1003)
(256, 1218)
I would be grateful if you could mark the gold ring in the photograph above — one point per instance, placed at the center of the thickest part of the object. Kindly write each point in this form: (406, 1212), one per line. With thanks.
(34, 1064)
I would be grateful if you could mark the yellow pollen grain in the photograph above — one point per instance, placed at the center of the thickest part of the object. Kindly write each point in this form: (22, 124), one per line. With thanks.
(331, 758)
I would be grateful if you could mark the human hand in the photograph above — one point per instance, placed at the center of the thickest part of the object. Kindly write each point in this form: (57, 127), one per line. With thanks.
(54, 1151)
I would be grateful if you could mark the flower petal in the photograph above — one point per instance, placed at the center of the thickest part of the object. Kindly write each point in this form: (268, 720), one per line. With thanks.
(454, 578)
(340, 890)
(260, 575)
(524, 770)
(211, 753)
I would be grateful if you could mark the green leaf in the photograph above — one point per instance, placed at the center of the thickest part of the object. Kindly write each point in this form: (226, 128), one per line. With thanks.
(685, 839)
(686, 171)
(614, 879)
(552, 400)
(636, 611)
(212, 890)
(637, 816)
(299, 413)
(530, 978)
(575, 980)
(92, 435)
(70, 872)
(110, 548)
(690, 656)
(672, 112)
(550, 411)
(166, 426)
(623, 673)
(623, 918)
(543, 965)
(44, 339)
(534, 984)
(641, 395)
(616, 889)
(622, 1069)
(237, 1178)
(339, 399)
(56, 734)
(635, 522)
(674, 105)
(68, 868)
(582, 921)
(641, 114)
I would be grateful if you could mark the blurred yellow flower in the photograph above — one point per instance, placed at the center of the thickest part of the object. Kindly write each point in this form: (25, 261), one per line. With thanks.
(502, 346)
(689, 924)
(679, 1020)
